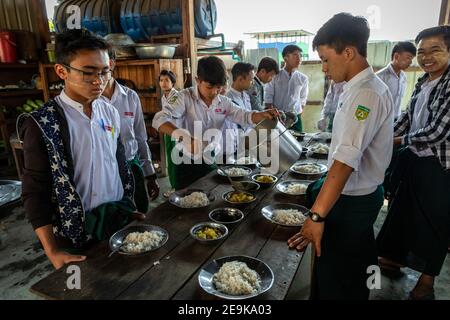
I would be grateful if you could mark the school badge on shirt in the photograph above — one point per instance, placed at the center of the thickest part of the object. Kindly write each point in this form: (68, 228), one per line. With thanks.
(362, 113)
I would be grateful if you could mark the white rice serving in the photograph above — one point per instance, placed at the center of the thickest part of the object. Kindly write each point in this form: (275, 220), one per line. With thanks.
(137, 242)
(320, 148)
(308, 168)
(237, 279)
(296, 188)
(194, 200)
(236, 172)
(289, 217)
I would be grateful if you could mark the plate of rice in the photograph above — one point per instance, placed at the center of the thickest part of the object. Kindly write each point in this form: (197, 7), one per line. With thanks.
(138, 239)
(236, 171)
(191, 199)
(293, 187)
(236, 277)
(320, 149)
(285, 214)
(309, 169)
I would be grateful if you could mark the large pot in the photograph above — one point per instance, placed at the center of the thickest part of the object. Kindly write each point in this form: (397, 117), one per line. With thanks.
(151, 51)
(286, 147)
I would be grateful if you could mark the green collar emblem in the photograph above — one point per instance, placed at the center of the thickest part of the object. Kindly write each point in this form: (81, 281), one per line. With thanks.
(362, 113)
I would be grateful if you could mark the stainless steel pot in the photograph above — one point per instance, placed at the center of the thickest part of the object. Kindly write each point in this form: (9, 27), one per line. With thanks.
(289, 149)
(151, 51)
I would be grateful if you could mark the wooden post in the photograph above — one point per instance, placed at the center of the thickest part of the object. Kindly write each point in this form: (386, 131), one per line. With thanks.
(188, 40)
(444, 17)
(39, 12)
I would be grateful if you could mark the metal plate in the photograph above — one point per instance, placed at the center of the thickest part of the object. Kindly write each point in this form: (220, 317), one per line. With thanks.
(175, 197)
(269, 212)
(322, 136)
(10, 190)
(206, 276)
(247, 170)
(323, 169)
(282, 186)
(117, 239)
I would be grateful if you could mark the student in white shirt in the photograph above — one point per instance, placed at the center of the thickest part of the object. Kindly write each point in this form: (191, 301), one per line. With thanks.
(167, 80)
(202, 106)
(330, 105)
(243, 74)
(393, 75)
(288, 91)
(134, 138)
(346, 203)
(267, 69)
(76, 183)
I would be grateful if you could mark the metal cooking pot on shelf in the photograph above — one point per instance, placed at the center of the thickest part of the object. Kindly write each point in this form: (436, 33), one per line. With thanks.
(151, 51)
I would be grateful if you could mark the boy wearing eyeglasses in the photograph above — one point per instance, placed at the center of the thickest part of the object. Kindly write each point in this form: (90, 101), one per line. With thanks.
(76, 186)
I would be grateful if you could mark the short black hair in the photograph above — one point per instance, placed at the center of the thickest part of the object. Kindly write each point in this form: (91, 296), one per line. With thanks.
(343, 30)
(241, 69)
(212, 70)
(443, 31)
(268, 64)
(70, 42)
(404, 46)
(170, 74)
(290, 49)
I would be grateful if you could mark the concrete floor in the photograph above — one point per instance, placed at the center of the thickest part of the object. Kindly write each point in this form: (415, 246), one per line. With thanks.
(23, 262)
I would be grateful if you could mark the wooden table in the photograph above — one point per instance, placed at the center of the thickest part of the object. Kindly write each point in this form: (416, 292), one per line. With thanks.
(171, 272)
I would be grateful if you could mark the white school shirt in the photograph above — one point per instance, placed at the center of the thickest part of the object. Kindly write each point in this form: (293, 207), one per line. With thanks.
(93, 144)
(396, 85)
(362, 136)
(189, 108)
(242, 100)
(332, 99)
(421, 114)
(287, 92)
(133, 133)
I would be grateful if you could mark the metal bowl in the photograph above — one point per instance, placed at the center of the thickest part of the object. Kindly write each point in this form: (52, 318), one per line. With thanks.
(226, 215)
(269, 212)
(247, 170)
(152, 51)
(283, 186)
(223, 230)
(295, 169)
(227, 196)
(118, 238)
(206, 276)
(119, 39)
(265, 184)
(175, 198)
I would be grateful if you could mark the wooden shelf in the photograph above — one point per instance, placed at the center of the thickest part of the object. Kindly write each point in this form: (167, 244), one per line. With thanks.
(19, 66)
(18, 93)
(139, 62)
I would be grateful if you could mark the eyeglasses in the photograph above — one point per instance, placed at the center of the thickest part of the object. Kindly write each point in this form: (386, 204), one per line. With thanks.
(92, 76)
